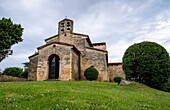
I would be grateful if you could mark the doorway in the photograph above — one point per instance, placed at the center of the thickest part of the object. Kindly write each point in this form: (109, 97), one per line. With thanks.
(54, 64)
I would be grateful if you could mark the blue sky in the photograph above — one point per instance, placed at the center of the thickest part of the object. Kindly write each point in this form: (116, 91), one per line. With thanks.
(119, 23)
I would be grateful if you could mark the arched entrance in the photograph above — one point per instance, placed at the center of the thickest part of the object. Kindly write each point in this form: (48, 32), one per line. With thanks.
(54, 65)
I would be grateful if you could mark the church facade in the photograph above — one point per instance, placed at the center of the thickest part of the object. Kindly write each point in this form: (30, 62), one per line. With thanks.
(67, 55)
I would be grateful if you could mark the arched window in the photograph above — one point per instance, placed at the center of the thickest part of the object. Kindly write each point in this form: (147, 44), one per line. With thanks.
(62, 26)
(68, 26)
(54, 65)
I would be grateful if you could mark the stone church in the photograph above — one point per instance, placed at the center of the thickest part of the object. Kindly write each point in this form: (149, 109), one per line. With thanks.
(67, 55)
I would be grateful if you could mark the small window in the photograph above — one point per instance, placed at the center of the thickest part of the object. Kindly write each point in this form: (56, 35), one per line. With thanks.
(68, 23)
(68, 26)
(62, 26)
(62, 29)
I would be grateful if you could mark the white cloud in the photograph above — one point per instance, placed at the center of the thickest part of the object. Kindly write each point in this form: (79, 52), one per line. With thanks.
(120, 23)
(123, 24)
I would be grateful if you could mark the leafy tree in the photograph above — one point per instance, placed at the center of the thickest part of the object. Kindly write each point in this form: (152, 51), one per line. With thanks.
(167, 86)
(13, 71)
(10, 34)
(147, 63)
(24, 73)
(25, 70)
(26, 64)
(91, 73)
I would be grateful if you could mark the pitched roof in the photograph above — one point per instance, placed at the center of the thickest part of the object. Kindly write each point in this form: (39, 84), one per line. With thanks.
(74, 48)
(51, 37)
(101, 51)
(53, 43)
(96, 49)
(33, 55)
(100, 43)
(115, 63)
(61, 43)
(87, 37)
(66, 19)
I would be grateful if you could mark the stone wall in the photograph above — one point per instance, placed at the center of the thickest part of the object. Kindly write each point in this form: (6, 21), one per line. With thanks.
(52, 39)
(39, 65)
(75, 66)
(64, 54)
(115, 69)
(86, 43)
(73, 62)
(6, 78)
(102, 47)
(32, 71)
(97, 59)
(78, 42)
(65, 38)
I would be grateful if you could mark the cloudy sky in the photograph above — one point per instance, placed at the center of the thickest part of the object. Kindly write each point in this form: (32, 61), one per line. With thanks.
(119, 23)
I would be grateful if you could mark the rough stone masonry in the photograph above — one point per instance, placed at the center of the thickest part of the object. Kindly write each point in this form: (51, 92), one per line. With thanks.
(67, 55)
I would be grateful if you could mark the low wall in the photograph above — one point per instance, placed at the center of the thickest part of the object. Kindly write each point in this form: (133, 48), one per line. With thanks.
(115, 69)
(6, 78)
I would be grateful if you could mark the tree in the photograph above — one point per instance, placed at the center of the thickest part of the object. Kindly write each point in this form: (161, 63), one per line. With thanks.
(26, 64)
(10, 34)
(13, 71)
(147, 63)
(24, 73)
(25, 70)
(91, 73)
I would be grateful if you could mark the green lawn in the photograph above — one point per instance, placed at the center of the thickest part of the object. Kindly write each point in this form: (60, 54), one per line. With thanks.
(80, 95)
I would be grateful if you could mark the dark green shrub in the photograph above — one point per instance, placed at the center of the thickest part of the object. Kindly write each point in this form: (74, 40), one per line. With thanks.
(117, 79)
(167, 86)
(91, 73)
(13, 71)
(147, 63)
(24, 74)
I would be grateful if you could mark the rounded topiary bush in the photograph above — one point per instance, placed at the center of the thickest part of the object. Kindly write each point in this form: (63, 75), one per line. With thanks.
(117, 79)
(147, 63)
(91, 73)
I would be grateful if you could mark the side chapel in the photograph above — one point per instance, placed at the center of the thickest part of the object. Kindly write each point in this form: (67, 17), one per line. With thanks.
(67, 55)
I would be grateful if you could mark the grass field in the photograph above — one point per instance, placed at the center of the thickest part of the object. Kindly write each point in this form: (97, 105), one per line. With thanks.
(80, 95)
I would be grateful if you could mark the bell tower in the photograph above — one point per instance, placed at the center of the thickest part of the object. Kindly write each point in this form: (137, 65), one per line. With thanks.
(65, 27)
